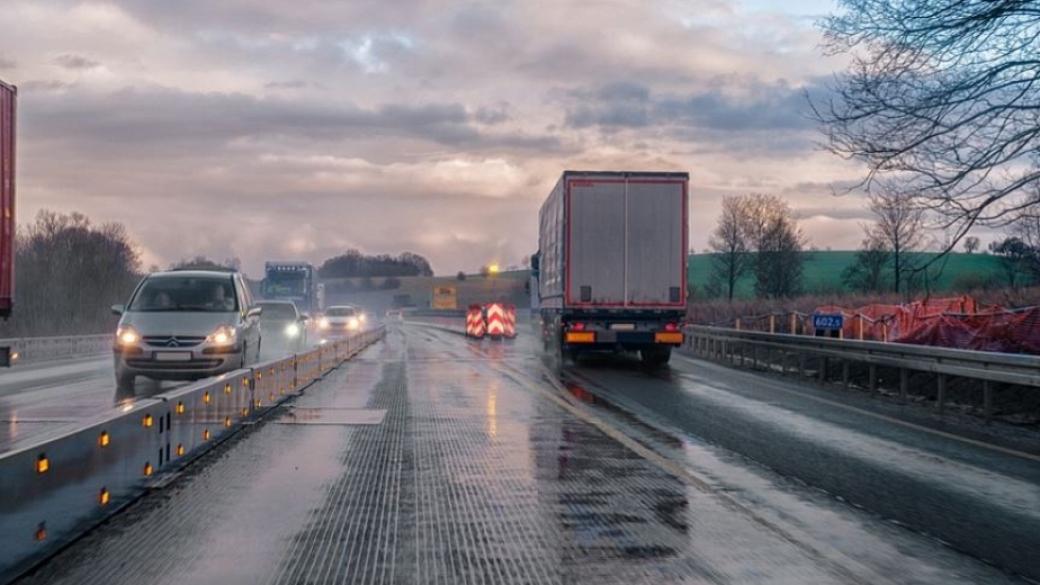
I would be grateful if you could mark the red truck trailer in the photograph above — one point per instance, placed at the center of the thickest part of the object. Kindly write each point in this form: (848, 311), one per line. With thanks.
(8, 95)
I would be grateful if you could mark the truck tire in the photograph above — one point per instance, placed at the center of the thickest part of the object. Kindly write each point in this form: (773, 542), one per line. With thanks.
(655, 357)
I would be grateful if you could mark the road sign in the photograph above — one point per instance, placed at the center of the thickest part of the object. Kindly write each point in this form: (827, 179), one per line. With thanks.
(828, 321)
(444, 297)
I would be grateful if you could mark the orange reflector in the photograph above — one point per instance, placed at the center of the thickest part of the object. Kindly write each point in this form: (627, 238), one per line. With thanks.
(41, 532)
(245, 410)
(205, 434)
(180, 450)
(205, 397)
(148, 469)
(103, 439)
(147, 420)
(270, 397)
(227, 421)
(42, 464)
(227, 388)
(668, 337)
(259, 376)
(104, 497)
(245, 382)
(180, 408)
(580, 337)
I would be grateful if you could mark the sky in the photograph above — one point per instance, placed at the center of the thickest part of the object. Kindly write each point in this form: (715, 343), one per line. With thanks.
(267, 129)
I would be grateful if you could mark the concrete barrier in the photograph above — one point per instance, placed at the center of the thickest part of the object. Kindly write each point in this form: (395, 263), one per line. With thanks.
(42, 349)
(54, 488)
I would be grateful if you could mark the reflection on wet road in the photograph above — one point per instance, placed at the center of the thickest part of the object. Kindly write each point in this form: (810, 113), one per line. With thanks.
(482, 470)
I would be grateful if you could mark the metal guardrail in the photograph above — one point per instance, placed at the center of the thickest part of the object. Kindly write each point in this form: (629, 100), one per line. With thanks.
(738, 347)
(56, 487)
(40, 349)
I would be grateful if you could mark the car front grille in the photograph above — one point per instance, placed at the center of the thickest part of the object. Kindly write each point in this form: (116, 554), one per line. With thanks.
(173, 340)
(147, 364)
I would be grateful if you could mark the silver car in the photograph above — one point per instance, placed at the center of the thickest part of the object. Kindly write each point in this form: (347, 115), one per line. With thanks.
(186, 325)
(286, 326)
(339, 321)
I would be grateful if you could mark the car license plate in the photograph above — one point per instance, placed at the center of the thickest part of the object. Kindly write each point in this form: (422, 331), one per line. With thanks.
(173, 356)
(623, 326)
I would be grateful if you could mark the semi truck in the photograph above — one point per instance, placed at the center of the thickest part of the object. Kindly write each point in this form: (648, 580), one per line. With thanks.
(292, 281)
(8, 97)
(611, 263)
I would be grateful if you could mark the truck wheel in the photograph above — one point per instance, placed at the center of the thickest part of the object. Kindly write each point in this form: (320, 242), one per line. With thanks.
(655, 357)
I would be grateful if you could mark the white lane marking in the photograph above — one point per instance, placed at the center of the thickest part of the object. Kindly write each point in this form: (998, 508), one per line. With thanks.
(842, 565)
(772, 384)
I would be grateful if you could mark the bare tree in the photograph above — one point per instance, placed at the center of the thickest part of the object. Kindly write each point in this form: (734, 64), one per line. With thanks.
(868, 272)
(971, 244)
(900, 226)
(773, 235)
(942, 99)
(731, 258)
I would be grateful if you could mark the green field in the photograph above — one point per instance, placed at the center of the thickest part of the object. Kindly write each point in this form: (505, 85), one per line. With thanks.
(823, 271)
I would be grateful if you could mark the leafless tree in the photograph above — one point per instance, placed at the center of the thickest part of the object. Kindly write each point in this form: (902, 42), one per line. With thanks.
(971, 244)
(900, 226)
(773, 235)
(869, 270)
(68, 273)
(942, 98)
(731, 258)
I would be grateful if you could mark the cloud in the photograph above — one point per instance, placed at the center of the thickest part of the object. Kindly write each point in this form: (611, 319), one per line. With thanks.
(69, 61)
(420, 125)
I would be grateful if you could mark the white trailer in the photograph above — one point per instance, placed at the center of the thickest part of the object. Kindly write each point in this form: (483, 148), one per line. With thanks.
(612, 262)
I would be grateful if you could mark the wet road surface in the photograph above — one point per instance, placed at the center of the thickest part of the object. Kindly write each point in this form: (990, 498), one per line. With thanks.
(433, 459)
(38, 399)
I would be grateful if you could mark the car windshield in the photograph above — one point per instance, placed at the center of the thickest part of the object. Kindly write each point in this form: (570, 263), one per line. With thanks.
(186, 293)
(340, 312)
(277, 312)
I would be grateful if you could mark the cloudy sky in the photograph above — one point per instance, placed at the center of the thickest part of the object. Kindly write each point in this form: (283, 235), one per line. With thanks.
(274, 129)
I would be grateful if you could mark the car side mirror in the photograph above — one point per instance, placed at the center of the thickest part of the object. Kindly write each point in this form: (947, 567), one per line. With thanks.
(255, 312)
(304, 317)
(118, 309)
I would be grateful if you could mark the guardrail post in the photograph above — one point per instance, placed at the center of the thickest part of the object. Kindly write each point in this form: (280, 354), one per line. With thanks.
(987, 399)
(904, 383)
(736, 325)
(940, 392)
(801, 363)
(823, 369)
(794, 324)
(873, 379)
(772, 323)
(845, 374)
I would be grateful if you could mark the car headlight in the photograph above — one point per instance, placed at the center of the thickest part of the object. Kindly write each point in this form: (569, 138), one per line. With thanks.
(292, 330)
(352, 323)
(222, 336)
(127, 336)
(323, 323)
(362, 317)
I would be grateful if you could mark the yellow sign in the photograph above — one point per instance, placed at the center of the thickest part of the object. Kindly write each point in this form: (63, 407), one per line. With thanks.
(444, 298)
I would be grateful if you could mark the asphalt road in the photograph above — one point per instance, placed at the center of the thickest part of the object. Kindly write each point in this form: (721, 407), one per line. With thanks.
(38, 399)
(434, 459)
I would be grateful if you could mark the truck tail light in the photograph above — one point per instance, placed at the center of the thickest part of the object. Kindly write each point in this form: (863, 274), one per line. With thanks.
(579, 326)
(671, 326)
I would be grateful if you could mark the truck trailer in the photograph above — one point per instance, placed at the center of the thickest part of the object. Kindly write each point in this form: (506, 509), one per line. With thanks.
(611, 263)
(8, 97)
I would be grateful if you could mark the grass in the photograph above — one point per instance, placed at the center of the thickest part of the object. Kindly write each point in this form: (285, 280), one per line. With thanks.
(823, 271)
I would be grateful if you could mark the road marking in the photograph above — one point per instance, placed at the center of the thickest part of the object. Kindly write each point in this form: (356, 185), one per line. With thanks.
(840, 564)
(967, 440)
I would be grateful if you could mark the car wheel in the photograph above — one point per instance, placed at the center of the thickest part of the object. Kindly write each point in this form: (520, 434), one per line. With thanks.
(125, 382)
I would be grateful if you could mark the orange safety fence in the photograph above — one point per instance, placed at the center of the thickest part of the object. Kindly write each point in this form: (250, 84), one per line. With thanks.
(957, 322)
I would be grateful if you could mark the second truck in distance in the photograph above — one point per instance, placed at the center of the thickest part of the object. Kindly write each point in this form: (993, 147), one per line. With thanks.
(611, 263)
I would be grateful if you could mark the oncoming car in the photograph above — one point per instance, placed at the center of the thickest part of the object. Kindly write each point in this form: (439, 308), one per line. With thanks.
(339, 320)
(285, 325)
(186, 325)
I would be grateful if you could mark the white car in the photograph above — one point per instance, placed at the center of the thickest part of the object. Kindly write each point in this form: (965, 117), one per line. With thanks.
(339, 321)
